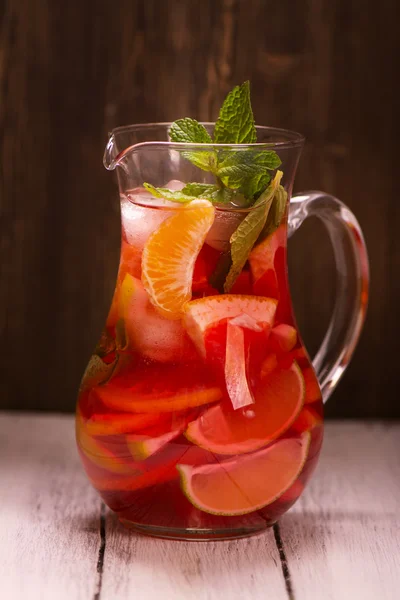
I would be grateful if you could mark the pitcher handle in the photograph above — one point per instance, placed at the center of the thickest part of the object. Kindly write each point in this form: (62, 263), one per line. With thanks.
(352, 282)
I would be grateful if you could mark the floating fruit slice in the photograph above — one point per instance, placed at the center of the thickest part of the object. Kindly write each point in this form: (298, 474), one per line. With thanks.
(262, 257)
(155, 337)
(157, 469)
(313, 392)
(96, 452)
(268, 365)
(114, 424)
(160, 389)
(242, 284)
(283, 338)
(204, 267)
(170, 254)
(130, 262)
(307, 420)
(132, 401)
(235, 367)
(247, 483)
(205, 312)
(300, 355)
(269, 270)
(137, 480)
(144, 444)
(279, 399)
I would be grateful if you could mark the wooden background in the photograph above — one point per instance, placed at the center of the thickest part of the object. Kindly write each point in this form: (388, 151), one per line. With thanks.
(70, 71)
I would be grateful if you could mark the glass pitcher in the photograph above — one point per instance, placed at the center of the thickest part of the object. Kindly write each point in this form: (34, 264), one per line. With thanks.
(200, 414)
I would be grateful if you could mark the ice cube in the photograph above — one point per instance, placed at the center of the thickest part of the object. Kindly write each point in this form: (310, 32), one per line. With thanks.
(138, 222)
(175, 185)
(225, 223)
(151, 334)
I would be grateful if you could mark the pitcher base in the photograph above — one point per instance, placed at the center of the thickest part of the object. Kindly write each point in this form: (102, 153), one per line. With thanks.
(195, 535)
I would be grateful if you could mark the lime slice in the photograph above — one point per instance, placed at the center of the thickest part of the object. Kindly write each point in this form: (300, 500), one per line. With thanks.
(247, 483)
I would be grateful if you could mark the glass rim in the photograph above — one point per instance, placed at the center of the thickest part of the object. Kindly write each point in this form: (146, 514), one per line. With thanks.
(290, 138)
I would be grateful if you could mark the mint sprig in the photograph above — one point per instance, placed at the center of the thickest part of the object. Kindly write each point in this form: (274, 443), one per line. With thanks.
(235, 124)
(246, 235)
(190, 131)
(248, 170)
(241, 175)
(242, 178)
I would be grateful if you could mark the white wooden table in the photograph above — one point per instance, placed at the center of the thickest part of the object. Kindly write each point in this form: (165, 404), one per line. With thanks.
(57, 541)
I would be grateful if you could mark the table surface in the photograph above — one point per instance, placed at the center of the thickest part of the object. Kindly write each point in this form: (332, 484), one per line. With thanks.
(58, 541)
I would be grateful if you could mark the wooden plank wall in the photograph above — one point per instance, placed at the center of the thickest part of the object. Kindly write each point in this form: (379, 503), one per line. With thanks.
(70, 71)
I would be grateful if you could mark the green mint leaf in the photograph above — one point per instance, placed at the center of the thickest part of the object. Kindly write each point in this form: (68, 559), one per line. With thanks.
(191, 191)
(189, 131)
(246, 235)
(206, 161)
(199, 190)
(235, 124)
(276, 212)
(257, 184)
(225, 195)
(166, 194)
(214, 193)
(242, 167)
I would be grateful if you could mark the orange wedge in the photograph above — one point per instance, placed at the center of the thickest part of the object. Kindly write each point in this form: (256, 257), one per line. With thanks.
(278, 400)
(247, 483)
(170, 254)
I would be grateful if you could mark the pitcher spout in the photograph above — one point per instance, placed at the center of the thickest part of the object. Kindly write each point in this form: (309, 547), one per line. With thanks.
(110, 154)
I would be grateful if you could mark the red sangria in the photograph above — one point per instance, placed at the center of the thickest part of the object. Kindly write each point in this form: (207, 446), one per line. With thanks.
(200, 415)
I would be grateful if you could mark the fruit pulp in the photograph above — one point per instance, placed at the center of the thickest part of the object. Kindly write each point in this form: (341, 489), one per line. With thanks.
(199, 415)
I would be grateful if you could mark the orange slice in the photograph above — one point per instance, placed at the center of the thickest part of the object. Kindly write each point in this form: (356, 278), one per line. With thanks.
(247, 483)
(170, 254)
(205, 312)
(157, 469)
(134, 402)
(114, 424)
(279, 398)
(160, 389)
(98, 454)
(138, 480)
